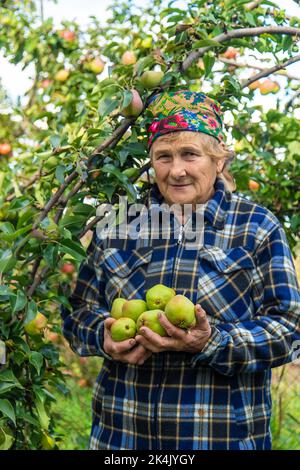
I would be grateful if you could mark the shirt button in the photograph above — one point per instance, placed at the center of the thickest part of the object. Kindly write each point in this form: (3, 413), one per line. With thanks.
(201, 412)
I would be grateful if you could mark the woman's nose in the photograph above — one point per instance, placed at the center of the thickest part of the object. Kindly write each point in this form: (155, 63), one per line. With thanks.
(177, 169)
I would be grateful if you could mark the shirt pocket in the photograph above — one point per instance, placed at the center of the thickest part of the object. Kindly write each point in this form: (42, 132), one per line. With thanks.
(225, 284)
(125, 272)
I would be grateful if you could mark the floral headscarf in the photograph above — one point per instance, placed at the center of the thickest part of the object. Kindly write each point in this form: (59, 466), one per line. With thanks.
(184, 111)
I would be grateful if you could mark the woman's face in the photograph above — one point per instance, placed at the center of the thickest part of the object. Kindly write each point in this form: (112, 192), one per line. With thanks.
(184, 174)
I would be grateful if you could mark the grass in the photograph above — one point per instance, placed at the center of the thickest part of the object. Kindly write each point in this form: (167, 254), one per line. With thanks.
(73, 417)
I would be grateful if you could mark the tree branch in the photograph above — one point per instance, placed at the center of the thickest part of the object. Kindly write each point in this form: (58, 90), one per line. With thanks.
(257, 67)
(238, 33)
(269, 71)
(292, 99)
(252, 5)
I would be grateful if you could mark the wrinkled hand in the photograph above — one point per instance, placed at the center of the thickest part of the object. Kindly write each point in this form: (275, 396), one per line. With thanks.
(191, 341)
(128, 351)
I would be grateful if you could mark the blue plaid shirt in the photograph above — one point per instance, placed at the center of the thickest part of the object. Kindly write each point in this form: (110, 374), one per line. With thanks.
(244, 277)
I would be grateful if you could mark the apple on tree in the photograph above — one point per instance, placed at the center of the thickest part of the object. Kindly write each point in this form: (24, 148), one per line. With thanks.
(5, 148)
(67, 35)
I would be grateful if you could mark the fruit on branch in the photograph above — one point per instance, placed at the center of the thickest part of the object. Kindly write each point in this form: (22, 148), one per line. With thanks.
(134, 308)
(158, 296)
(151, 79)
(146, 43)
(150, 320)
(116, 309)
(135, 107)
(95, 65)
(67, 268)
(45, 83)
(200, 64)
(253, 185)
(62, 75)
(268, 86)
(128, 58)
(122, 329)
(231, 53)
(67, 35)
(180, 311)
(36, 326)
(255, 85)
(5, 148)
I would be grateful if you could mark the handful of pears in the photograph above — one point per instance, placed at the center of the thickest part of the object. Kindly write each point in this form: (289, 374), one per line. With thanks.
(131, 315)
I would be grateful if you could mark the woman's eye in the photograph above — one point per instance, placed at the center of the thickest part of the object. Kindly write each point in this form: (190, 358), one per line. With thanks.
(163, 156)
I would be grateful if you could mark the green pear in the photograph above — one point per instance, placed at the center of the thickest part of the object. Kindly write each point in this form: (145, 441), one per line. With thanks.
(116, 309)
(122, 329)
(151, 79)
(36, 326)
(180, 311)
(134, 308)
(150, 320)
(158, 296)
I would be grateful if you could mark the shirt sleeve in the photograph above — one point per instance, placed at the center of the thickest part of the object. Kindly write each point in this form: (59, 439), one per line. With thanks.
(83, 325)
(267, 340)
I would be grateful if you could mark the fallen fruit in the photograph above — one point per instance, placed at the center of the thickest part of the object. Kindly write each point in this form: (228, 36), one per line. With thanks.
(158, 296)
(122, 329)
(180, 311)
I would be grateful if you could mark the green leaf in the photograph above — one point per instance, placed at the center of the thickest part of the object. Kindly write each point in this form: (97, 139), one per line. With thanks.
(7, 261)
(59, 173)
(205, 43)
(50, 255)
(31, 311)
(107, 105)
(8, 381)
(72, 248)
(42, 415)
(6, 439)
(55, 140)
(7, 227)
(37, 360)
(127, 98)
(18, 301)
(208, 63)
(7, 409)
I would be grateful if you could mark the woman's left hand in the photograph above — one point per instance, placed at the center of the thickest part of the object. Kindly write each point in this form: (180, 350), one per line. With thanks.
(191, 341)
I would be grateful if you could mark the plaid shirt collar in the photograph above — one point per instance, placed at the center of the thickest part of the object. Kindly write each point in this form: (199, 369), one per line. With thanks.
(215, 209)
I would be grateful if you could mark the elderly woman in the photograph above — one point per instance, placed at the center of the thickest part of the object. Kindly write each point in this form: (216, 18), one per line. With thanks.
(208, 388)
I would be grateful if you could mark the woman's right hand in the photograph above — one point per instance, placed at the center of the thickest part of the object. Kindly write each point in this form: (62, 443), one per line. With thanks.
(128, 351)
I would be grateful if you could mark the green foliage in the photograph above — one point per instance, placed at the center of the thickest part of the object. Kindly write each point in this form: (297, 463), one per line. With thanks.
(72, 149)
